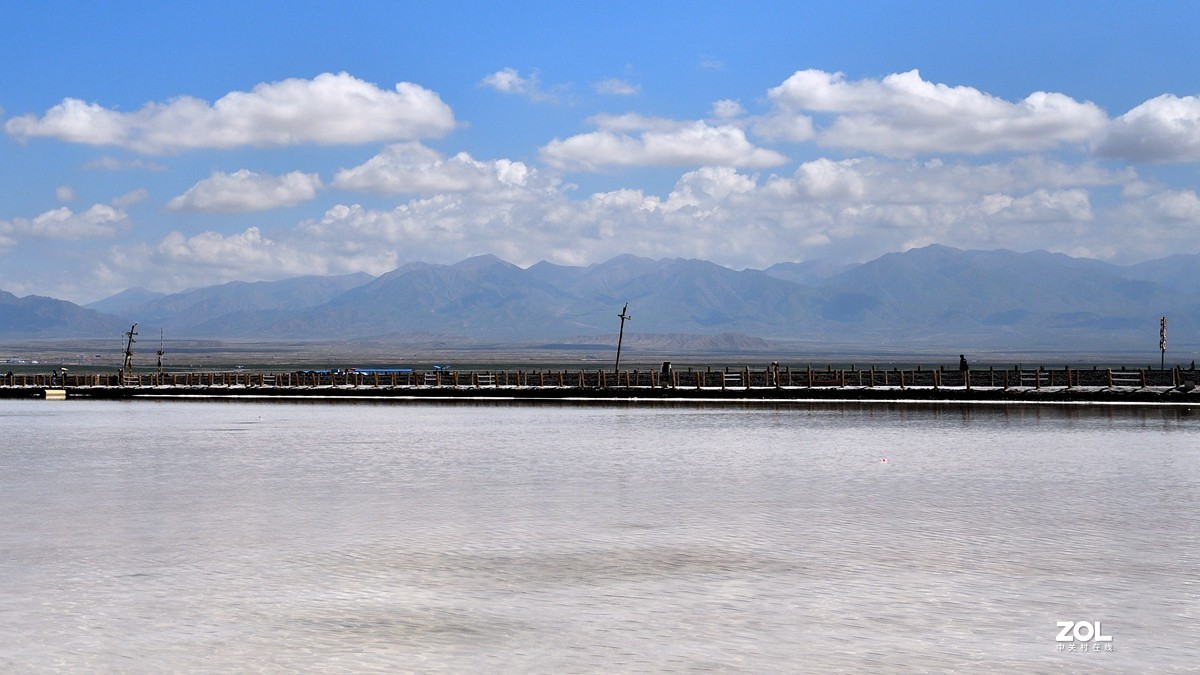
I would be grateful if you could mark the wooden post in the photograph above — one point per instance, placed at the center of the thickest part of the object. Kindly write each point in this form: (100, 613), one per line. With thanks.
(967, 378)
(1108, 376)
(810, 376)
(1142, 372)
(872, 376)
(746, 376)
(937, 379)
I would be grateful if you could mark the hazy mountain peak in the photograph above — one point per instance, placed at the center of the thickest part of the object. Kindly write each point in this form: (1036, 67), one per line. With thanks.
(479, 262)
(126, 299)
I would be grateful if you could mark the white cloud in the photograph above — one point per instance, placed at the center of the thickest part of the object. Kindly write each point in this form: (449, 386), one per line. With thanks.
(785, 126)
(130, 198)
(245, 191)
(1039, 206)
(848, 209)
(510, 81)
(64, 193)
(658, 144)
(414, 168)
(708, 188)
(903, 115)
(178, 261)
(1163, 129)
(62, 224)
(1177, 205)
(1154, 223)
(327, 110)
(616, 87)
(727, 109)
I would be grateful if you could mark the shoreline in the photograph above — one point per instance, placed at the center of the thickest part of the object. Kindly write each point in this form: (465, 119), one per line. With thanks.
(912, 395)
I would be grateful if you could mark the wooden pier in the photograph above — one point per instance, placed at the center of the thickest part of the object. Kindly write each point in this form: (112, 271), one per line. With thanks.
(727, 382)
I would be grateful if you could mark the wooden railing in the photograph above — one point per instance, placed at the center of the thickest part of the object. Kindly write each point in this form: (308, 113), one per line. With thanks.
(742, 377)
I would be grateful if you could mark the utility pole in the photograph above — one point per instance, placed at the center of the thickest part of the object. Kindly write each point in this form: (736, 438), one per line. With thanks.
(127, 369)
(160, 350)
(621, 336)
(1162, 343)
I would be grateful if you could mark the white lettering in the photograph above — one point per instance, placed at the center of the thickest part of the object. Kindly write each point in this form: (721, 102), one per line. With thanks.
(1081, 631)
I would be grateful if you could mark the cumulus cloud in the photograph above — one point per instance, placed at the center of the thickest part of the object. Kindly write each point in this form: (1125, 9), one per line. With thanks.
(245, 191)
(330, 109)
(1039, 206)
(727, 109)
(510, 81)
(515, 223)
(1163, 129)
(785, 126)
(62, 224)
(130, 198)
(631, 140)
(1181, 206)
(616, 87)
(178, 261)
(850, 208)
(413, 168)
(903, 115)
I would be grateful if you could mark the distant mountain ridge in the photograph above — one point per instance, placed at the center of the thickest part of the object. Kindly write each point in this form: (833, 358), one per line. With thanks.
(35, 316)
(932, 296)
(216, 309)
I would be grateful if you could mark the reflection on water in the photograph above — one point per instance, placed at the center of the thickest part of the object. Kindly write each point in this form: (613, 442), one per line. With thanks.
(222, 536)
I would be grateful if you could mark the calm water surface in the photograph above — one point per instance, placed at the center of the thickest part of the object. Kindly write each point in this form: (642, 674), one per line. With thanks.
(220, 537)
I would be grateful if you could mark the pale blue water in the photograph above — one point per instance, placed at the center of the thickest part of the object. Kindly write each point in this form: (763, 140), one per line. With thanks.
(401, 537)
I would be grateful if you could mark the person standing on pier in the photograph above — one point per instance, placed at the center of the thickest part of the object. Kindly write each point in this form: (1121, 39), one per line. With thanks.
(962, 364)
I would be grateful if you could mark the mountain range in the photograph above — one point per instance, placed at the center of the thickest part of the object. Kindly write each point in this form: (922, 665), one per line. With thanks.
(927, 298)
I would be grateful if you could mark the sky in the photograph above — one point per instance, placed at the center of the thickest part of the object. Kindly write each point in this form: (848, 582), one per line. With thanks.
(175, 145)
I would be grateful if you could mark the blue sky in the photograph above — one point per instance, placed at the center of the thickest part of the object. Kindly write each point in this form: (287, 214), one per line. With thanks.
(174, 145)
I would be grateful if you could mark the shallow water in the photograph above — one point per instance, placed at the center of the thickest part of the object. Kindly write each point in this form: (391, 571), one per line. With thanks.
(218, 537)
